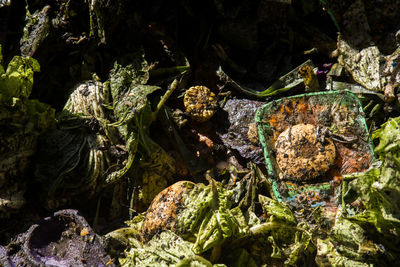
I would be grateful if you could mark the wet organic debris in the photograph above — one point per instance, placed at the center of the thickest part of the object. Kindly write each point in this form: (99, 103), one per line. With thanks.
(123, 137)
(334, 117)
(100, 130)
(370, 207)
(204, 220)
(310, 141)
(22, 120)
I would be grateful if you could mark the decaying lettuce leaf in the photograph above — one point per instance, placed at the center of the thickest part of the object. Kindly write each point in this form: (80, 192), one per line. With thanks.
(378, 187)
(277, 211)
(350, 244)
(20, 115)
(71, 158)
(329, 256)
(363, 65)
(165, 249)
(216, 227)
(368, 230)
(281, 237)
(206, 217)
(128, 88)
(207, 223)
(17, 80)
(389, 137)
(103, 135)
(133, 115)
(22, 120)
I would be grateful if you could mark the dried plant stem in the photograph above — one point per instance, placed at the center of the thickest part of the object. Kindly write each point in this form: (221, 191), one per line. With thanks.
(164, 99)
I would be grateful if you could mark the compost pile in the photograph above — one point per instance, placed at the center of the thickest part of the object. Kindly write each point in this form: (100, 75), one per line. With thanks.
(199, 133)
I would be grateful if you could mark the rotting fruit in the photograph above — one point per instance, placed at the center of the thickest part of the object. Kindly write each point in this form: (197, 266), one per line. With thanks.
(163, 209)
(200, 103)
(301, 156)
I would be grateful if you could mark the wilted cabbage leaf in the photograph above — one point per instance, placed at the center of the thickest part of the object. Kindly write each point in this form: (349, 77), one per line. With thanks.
(367, 232)
(206, 221)
(71, 158)
(21, 121)
(281, 237)
(364, 65)
(165, 249)
(103, 135)
(17, 80)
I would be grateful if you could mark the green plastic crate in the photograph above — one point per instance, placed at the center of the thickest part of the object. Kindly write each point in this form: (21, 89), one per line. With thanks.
(345, 110)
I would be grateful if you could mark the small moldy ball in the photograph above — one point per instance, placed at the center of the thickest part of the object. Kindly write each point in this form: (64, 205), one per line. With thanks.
(162, 211)
(200, 103)
(301, 156)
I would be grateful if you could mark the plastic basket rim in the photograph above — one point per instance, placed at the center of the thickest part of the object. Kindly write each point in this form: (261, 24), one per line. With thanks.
(260, 129)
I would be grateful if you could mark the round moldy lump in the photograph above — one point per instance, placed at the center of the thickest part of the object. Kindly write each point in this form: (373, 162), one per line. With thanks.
(301, 156)
(200, 103)
(162, 211)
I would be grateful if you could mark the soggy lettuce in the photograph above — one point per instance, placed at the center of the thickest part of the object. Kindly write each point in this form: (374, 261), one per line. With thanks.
(17, 81)
(281, 237)
(103, 136)
(165, 249)
(208, 224)
(15, 87)
(22, 120)
(368, 230)
(17, 112)
(207, 218)
(364, 233)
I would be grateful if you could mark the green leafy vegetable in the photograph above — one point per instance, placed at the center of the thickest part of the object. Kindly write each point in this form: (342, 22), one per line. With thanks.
(165, 249)
(368, 229)
(207, 219)
(285, 238)
(22, 120)
(17, 81)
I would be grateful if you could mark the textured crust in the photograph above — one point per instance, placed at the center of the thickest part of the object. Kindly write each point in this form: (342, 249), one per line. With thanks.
(163, 209)
(200, 103)
(252, 133)
(300, 155)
